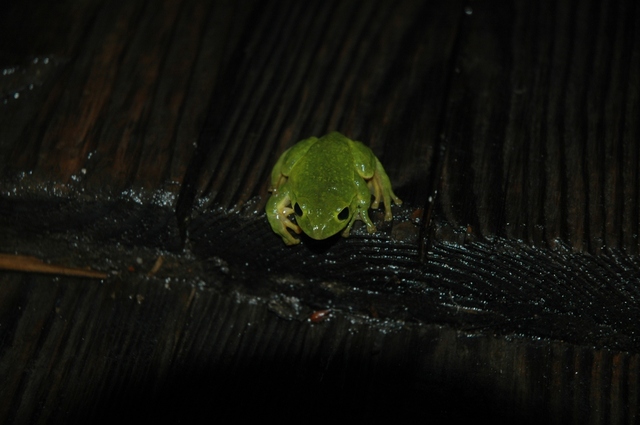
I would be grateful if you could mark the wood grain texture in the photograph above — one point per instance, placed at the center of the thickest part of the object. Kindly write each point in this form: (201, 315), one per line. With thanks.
(109, 137)
(541, 129)
(489, 228)
(507, 282)
(376, 73)
(89, 353)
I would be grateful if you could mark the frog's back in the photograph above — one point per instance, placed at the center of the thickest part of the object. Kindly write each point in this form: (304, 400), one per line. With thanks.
(327, 165)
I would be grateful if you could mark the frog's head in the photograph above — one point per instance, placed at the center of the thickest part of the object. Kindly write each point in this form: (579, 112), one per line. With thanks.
(320, 220)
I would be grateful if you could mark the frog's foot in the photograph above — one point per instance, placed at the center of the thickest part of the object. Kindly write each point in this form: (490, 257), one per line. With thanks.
(347, 231)
(286, 221)
(380, 187)
(289, 240)
(278, 215)
(365, 218)
(282, 223)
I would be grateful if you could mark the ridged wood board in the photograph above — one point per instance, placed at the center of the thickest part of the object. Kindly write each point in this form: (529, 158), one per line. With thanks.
(77, 352)
(505, 131)
(123, 113)
(542, 125)
(512, 123)
(510, 130)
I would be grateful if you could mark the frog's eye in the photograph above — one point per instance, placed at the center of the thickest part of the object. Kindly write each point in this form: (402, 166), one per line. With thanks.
(344, 214)
(297, 210)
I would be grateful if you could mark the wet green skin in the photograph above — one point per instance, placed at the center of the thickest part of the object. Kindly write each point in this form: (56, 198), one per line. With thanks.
(327, 183)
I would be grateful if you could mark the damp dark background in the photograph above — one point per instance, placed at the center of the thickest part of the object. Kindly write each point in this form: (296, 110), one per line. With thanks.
(137, 138)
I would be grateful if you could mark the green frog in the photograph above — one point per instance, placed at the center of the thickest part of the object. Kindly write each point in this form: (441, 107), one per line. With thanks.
(327, 184)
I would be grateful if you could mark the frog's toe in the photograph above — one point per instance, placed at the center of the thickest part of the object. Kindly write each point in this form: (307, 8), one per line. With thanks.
(290, 240)
(288, 237)
(284, 219)
(293, 227)
(287, 211)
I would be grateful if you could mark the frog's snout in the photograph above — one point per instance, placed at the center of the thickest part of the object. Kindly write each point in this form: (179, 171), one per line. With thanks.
(319, 232)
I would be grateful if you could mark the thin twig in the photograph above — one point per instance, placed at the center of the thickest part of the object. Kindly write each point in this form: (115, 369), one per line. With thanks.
(24, 263)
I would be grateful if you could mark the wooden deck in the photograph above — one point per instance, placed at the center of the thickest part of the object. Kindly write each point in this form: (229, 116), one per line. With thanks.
(136, 140)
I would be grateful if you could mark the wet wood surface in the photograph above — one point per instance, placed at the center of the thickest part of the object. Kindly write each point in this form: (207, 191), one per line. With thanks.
(136, 139)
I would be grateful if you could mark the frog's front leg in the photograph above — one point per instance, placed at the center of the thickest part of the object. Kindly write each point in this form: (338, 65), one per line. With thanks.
(278, 212)
(370, 169)
(380, 186)
(361, 206)
(360, 215)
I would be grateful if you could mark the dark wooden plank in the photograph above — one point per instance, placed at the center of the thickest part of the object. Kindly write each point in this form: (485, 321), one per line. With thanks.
(478, 254)
(507, 283)
(114, 132)
(541, 126)
(162, 347)
(91, 353)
